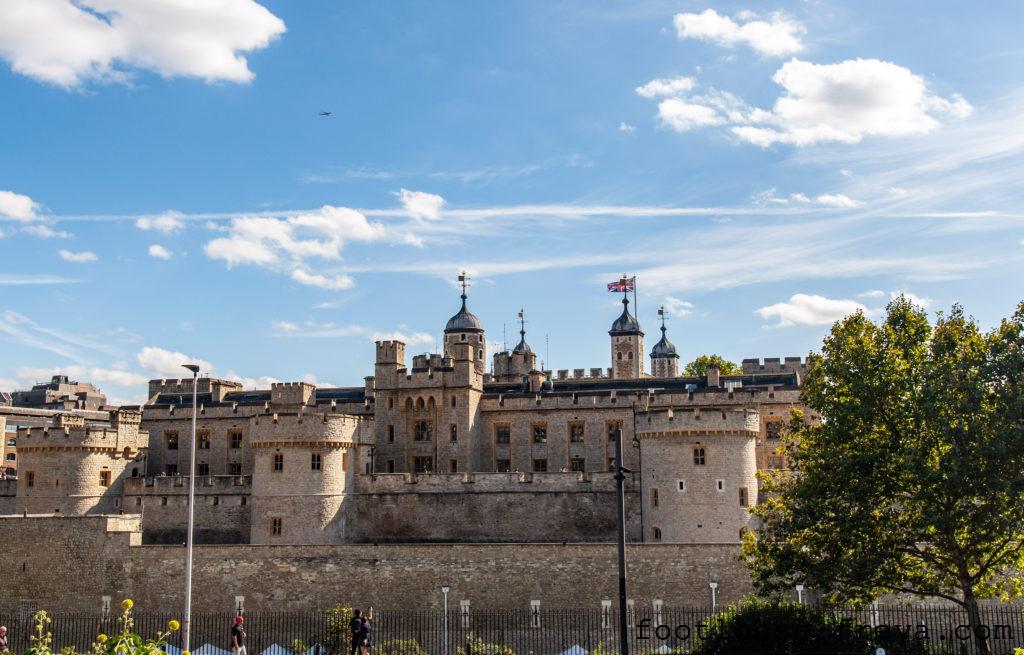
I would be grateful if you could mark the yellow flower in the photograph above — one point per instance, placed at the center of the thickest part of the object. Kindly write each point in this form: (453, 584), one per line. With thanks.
(102, 638)
(173, 625)
(185, 652)
(127, 604)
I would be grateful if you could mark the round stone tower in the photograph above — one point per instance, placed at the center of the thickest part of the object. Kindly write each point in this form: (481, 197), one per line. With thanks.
(464, 335)
(304, 465)
(699, 469)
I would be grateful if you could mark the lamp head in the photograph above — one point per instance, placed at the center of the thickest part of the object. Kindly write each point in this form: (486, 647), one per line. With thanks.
(444, 589)
(192, 367)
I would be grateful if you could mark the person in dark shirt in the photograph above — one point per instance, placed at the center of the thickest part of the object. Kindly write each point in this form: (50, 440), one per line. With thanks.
(364, 642)
(355, 631)
(238, 637)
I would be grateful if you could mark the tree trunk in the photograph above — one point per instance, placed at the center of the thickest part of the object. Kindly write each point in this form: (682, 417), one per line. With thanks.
(982, 645)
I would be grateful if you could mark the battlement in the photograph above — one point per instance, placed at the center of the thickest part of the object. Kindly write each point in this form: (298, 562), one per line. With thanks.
(775, 365)
(448, 483)
(303, 427)
(82, 436)
(291, 393)
(391, 352)
(215, 386)
(432, 360)
(178, 485)
(699, 420)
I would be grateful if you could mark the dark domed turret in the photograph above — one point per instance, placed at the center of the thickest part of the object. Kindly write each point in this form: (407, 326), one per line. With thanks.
(664, 348)
(464, 321)
(664, 358)
(625, 324)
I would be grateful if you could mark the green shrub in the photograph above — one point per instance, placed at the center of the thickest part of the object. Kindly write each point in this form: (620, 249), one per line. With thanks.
(338, 639)
(399, 647)
(768, 628)
(477, 646)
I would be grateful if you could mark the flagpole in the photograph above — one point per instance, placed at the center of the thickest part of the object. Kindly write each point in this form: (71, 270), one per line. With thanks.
(636, 305)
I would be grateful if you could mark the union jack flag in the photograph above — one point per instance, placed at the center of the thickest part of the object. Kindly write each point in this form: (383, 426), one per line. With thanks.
(624, 284)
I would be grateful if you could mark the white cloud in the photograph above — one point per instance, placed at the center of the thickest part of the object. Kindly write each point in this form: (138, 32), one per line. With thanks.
(874, 293)
(806, 309)
(923, 303)
(116, 377)
(66, 42)
(262, 382)
(167, 222)
(331, 283)
(68, 344)
(285, 326)
(158, 251)
(799, 197)
(666, 86)
(409, 338)
(677, 307)
(168, 363)
(45, 232)
(777, 37)
(847, 102)
(16, 206)
(421, 205)
(83, 257)
(837, 200)
(267, 241)
(682, 116)
(626, 127)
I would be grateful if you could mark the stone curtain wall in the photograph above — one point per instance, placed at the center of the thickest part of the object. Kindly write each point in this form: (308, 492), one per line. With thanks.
(70, 563)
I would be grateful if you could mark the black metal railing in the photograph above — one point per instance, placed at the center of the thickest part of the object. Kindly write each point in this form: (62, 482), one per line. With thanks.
(500, 632)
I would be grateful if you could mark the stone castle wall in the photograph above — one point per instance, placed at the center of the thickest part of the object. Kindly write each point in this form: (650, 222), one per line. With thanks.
(68, 564)
(222, 514)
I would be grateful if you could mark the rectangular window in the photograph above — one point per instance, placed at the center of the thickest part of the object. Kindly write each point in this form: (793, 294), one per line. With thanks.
(503, 465)
(171, 469)
(202, 468)
(391, 466)
(421, 431)
(773, 429)
(503, 434)
(540, 434)
(216, 501)
(720, 485)
(314, 463)
(235, 437)
(171, 439)
(612, 427)
(540, 465)
(245, 501)
(681, 485)
(453, 466)
(454, 432)
(453, 401)
(278, 462)
(743, 496)
(276, 526)
(30, 478)
(611, 464)
(577, 464)
(391, 434)
(654, 497)
(774, 461)
(138, 500)
(576, 433)
(163, 500)
(698, 457)
(391, 403)
(234, 468)
(203, 439)
(423, 464)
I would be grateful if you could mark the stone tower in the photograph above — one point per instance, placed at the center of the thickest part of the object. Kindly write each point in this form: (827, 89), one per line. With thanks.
(513, 366)
(627, 345)
(464, 335)
(664, 358)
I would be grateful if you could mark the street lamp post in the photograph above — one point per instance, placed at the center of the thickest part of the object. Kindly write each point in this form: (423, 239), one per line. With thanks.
(714, 595)
(444, 590)
(800, 594)
(620, 501)
(187, 619)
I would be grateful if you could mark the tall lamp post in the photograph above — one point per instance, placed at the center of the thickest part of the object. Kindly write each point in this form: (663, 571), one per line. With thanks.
(187, 620)
(444, 590)
(620, 501)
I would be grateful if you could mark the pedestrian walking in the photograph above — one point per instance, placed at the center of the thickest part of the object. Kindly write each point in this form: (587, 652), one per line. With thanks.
(4, 648)
(365, 641)
(238, 637)
(355, 631)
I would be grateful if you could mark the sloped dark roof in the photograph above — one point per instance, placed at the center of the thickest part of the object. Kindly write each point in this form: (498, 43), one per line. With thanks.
(464, 321)
(625, 324)
(664, 348)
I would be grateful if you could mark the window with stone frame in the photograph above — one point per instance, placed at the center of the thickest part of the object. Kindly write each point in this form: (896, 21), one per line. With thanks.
(234, 468)
(171, 469)
(502, 434)
(773, 429)
(453, 466)
(743, 496)
(654, 497)
(203, 439)
(699, 456)
(577, 464)
(391, 434)
(422, 431)
(611, 464)
(453, 433)
(278, 462)
(540, 433)
(503, 465)
(611, 427)
(171, 439)
(540, 466)
(315, 462)
(202, 468)
(423, 464)
(576, 433)
(656, 533)
(775, 461)
(30, 478)
(235, 438)
(391, 466)
(276, 526)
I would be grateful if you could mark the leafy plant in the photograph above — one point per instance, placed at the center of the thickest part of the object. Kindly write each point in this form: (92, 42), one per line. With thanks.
(477, 646)
(337, 639)
(127, 641)
(399, 647)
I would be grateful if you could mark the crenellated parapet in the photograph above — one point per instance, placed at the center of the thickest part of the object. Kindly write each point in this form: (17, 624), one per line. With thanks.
(304, 429)
(697, 421)
(447, 483)
(775, 365)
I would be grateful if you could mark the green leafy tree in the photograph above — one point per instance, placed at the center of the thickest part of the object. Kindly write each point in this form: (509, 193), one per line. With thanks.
(913, 481)
(699, 366)
(338, 619)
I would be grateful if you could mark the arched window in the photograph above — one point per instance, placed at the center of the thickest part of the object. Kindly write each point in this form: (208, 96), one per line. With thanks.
(656, 534)
(127, 452)
(419, 403)
(631, 355)
(480, 354)
(431, 404)
(408, 404)
(462, 337)
(618, 355)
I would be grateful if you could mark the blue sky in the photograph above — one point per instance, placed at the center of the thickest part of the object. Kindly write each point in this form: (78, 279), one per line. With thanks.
(168, 187)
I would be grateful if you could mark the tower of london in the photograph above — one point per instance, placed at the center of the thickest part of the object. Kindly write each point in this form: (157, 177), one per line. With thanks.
(433, 449)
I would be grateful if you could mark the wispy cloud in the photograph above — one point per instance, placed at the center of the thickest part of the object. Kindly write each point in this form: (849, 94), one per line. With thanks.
(20, 280)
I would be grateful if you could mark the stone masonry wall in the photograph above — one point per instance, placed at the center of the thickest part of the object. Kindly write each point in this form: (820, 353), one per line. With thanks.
(70, 563)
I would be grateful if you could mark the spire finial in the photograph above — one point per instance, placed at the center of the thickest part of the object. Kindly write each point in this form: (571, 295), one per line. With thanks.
(464, 281)
(522, 323)
(661, 313)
